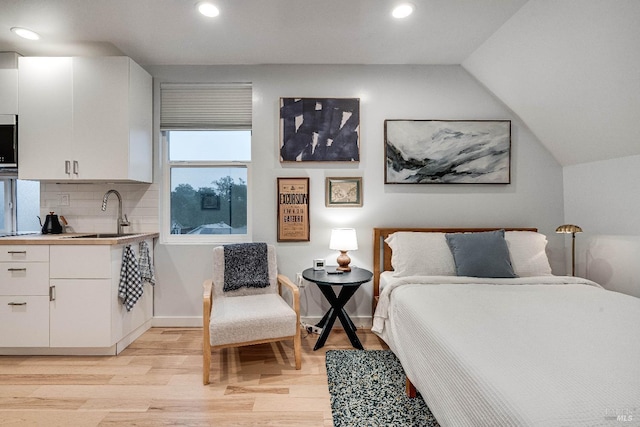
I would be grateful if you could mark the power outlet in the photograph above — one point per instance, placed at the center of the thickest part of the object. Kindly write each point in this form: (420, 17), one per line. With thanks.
(63, 199)
(300, 281)
(312, 329)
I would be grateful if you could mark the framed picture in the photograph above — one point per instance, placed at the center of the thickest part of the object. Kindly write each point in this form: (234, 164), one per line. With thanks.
(293, 210)
(346, 192)
(447, 151)
(319, 129)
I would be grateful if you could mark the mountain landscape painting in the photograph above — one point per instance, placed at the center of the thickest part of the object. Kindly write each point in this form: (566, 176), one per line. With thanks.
(447, 151)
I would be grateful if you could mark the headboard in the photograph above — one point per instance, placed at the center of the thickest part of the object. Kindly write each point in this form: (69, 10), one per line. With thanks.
(382, 251)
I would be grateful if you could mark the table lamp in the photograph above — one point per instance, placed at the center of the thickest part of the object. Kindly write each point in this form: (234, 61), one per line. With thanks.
(573, 229)
(343, 240)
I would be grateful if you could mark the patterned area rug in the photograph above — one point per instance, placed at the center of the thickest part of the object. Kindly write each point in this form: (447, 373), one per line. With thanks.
(368, 389)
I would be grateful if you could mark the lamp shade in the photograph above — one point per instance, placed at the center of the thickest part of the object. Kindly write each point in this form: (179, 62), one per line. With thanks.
(343, 239)
(568, 228)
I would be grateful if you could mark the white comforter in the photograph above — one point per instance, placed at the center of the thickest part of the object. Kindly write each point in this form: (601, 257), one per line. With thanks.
(542, 351)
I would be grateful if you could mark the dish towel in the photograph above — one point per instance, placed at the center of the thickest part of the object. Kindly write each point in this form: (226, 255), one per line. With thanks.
(146, 268)
(130, 289)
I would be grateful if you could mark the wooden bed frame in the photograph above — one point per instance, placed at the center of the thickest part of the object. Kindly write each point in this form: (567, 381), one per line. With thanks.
(382, 261)
(382, 251)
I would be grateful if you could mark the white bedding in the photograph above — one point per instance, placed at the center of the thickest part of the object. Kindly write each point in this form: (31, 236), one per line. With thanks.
(537, 351)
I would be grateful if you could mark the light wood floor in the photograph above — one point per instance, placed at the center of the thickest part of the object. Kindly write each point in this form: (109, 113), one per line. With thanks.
(157, 381)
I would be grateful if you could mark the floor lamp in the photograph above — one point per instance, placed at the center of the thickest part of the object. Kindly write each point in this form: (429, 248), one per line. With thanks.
(573, 229)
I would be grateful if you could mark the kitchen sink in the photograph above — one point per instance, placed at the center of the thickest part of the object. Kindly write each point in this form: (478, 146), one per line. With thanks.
(102, 236)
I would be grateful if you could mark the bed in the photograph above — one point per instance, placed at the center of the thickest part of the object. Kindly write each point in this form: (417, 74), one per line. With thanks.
(530, 350)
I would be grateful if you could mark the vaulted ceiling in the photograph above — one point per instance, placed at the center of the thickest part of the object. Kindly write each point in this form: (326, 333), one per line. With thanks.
(568, 69)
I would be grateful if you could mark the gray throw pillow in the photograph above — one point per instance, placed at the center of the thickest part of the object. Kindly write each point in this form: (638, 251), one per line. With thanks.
(484, 254)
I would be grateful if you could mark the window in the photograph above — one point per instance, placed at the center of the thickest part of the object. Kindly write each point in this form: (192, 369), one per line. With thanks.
(19, 205)
(206, 139)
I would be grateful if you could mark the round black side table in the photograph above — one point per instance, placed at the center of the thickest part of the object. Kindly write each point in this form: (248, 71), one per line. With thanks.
(350, 282)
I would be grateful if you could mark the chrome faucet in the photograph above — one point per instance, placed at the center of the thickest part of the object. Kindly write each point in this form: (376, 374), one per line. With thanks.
(122, 222)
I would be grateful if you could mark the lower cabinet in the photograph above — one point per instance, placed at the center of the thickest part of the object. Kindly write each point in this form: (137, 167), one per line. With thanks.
(80, 313)
(67, 301)
(24, 296)
(24, 321)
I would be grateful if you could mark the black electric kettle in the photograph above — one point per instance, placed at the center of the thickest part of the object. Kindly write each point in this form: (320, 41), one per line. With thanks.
(52, 224)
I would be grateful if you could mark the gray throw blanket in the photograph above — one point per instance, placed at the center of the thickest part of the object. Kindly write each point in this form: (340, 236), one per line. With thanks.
(245, 265)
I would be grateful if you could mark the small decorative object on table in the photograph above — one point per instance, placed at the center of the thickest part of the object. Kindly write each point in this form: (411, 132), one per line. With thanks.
(343, 240)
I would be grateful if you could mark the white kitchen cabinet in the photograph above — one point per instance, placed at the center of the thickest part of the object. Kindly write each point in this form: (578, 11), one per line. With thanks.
(85, 310)
(80, 309)
(84, 119)
(63, 299)
(24, 321)
(80, 313)
(24, 296)
(8, 83)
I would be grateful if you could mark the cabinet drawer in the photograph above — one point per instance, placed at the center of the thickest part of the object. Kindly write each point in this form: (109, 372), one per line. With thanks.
(24, 321)
(24, 278)
(24, 253)
(80, 262)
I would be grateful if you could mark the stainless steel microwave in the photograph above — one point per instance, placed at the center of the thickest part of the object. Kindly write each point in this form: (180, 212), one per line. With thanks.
(8, 141)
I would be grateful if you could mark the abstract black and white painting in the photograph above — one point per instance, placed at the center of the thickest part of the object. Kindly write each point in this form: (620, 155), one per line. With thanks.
(447, 151)
(319, 129)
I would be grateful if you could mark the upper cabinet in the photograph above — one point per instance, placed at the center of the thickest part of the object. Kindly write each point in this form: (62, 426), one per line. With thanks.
(8, 83)
(84, 119)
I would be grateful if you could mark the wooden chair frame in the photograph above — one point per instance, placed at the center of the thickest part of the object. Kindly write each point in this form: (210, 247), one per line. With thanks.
(207, 304)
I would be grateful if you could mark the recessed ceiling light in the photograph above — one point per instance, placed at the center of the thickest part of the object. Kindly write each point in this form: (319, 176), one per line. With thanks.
(208, 9)
(25, 33)
(403, 10)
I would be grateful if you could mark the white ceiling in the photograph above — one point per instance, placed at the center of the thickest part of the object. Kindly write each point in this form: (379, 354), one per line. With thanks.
(156, 32)
(568, 69)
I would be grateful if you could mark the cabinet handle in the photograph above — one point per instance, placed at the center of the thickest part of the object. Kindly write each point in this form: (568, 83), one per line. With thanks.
(75, 167)
(16, 269)
(17, 303)
(67, 167)
(17, 252)
(52, 293)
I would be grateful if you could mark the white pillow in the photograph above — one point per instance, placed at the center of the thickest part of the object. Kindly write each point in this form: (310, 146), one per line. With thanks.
(420, 254)
(528, 255)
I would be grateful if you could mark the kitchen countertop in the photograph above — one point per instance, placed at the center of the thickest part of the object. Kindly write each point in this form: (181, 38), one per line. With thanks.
(70, 239)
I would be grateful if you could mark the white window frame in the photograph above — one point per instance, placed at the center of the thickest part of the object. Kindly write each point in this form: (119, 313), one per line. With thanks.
(165, 233)
(197, 107)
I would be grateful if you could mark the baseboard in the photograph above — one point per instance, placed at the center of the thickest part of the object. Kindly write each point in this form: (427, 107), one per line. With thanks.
(134, 335)
(177, 321)
(196, 321)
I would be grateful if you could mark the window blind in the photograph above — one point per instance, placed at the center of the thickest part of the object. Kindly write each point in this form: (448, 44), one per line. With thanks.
(205, 106)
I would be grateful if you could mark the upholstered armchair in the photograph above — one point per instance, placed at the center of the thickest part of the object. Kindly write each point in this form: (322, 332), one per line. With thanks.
(242, 303)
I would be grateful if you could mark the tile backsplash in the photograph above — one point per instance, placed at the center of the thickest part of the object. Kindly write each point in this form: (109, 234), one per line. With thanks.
(140, 202)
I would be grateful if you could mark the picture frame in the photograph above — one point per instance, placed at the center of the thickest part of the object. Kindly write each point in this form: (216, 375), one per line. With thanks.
(447, 151)
(319, 129)
(343, 192)
(293, 210)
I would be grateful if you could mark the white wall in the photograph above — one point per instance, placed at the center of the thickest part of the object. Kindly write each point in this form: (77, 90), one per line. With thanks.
(603, 198)
(386, 92)
(534, 198)
(569, 69)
